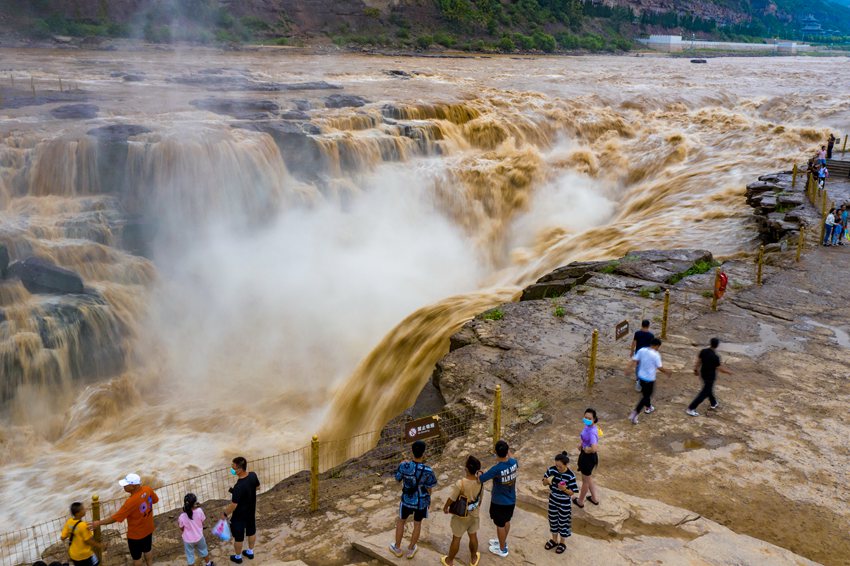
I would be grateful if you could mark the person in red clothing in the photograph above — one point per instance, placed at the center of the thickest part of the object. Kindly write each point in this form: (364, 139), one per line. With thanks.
(138, 512)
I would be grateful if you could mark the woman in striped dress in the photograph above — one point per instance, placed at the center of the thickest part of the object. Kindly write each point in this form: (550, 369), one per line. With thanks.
(562, 485)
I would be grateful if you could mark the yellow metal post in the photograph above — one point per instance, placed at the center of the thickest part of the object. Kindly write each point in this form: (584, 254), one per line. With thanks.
(664, 316)
(823, 208)
(800, 241)
(314, 474)
(844, 148)
(822, 228)
(793, 176)
(714, 291)
(591, 370)
(760, 265)
(497, 414)
(95, 515)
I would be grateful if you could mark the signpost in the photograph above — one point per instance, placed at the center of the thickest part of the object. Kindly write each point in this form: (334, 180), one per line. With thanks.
(621, 330)
(420, 429)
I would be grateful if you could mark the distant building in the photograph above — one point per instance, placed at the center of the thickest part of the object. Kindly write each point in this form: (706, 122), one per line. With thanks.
(811, 27)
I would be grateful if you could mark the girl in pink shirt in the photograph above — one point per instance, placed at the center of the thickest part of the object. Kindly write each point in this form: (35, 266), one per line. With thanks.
(191, 523)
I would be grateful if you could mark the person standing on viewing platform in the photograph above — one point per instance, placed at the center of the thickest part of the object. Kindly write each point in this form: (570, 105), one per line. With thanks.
(838, 228)
(823, 175)
(588, 458)
(417, 481)
(648, 363)
(830, 144)
(81, 543)
(822, 155)
(643, 338)
(138, 512)
(830, 226)
(562, 485)
(503, 498)
(707, 366)
(242, 509)
(468, 490)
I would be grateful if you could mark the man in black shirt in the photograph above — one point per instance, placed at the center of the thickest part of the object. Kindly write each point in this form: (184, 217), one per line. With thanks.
(707, 366)
(643, 339)
(243, 509)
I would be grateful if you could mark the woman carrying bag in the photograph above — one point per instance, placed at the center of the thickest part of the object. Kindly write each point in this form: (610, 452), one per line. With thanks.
(463, 504)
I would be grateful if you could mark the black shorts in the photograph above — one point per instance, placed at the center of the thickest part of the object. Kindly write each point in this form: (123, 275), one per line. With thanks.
(587, 463)
(239, 528)
(501, 514)
(139, 546)
(90, 561)
(418, 514)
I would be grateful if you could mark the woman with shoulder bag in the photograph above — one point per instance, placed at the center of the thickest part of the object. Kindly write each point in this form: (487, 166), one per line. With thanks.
(463, 504)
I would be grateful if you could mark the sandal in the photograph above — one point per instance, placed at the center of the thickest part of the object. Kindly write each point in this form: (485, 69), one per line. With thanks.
(550, 545)
(577, 504)
(560, 548)
(477, 559)
(443, 560)
(593, 500)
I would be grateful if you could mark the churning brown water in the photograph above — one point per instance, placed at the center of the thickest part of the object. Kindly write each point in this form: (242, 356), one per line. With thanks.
(307, 277)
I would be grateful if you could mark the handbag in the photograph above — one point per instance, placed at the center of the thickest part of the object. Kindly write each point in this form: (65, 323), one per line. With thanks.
(461, 507)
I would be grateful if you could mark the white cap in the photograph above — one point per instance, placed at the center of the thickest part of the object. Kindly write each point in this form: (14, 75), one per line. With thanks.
(131, 479)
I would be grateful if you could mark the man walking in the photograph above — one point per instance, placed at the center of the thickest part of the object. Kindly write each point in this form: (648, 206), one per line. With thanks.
(643, 338)
(138, 512)
(707, 366)
(503, 497)
(418, 480)
(243, 509)
(647, 363)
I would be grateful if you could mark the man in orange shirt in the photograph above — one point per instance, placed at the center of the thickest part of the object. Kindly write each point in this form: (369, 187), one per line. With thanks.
(138, 511)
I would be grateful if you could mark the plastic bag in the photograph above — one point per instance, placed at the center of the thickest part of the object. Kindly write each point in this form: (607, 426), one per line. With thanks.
(222, 530)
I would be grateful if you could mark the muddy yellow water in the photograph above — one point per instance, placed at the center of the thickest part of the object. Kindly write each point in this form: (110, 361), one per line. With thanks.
(288, 291)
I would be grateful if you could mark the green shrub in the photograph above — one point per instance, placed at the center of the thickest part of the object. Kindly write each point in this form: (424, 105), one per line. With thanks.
(161, 34)
(282, 41)
(610, 268)
(478, 45)
(444, 39)
(254, 23)
(524, 42)
(698, 268)
(544, 41)
(567, 40)
(424, 41)
(560, 312)
(402, 34)
(592, 42)
(493, 314)
(647, 292)
(506, 45)
(39, 29)
(373, 13)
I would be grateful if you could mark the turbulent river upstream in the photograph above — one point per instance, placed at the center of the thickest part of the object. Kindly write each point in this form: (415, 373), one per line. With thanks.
(260, 267)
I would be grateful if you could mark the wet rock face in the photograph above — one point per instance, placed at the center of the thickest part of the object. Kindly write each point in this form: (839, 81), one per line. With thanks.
(75, 112)
(219, 81)
(40, 276)
(241, 109)
(345, 101)
(4, 261)
(301, 153)
(117, 133)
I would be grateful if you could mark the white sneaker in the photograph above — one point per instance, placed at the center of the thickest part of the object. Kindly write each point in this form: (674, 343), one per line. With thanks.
(633, 417)
(498, 551)
(691, 412)
(411, 552)
(396, 550)
(715, 407)
(649, 409)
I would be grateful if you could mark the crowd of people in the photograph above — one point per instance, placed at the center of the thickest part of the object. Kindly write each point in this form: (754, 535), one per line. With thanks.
(464, 501)
(138, 512)
(835, 229)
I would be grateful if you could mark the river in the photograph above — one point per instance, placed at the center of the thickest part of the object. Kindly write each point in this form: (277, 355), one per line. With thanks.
(257, 280)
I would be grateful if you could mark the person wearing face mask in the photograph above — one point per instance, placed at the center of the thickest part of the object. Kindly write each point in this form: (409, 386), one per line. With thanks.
(588, 457)
(243, 509)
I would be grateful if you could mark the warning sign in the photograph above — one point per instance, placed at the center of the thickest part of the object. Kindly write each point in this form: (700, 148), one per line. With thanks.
(420, 429)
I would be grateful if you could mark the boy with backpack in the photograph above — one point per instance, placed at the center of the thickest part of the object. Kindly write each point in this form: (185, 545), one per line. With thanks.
(417, 481)
(81, 543)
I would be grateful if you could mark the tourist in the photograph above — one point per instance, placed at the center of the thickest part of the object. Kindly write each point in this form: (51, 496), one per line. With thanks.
(588, 457)
(823, 175)
(562, 486)
(648, 363)
(707, 366)
(837, 228)
(822, 155)
(417, 481)
(191, 522)
(469, 490)
(830, 144)
(642, 339)
(843, 214)
(503, 497)
(138, 512)
(829, 227)
(81, 543)
(242, 509)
